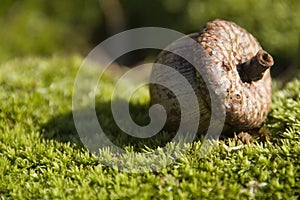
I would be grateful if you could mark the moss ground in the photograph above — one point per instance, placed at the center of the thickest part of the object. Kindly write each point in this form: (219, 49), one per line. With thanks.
(41, 156)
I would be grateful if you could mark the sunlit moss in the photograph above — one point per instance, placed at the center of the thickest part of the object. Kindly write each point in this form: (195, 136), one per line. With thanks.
(41, 156)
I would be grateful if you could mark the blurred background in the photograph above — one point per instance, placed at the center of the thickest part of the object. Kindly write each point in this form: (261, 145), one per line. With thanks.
(44, 28)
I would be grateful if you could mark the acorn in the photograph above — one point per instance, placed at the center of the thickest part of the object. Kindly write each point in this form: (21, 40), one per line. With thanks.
(231, 57)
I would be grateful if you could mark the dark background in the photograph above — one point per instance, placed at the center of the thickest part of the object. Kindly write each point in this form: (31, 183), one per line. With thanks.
(44, 28)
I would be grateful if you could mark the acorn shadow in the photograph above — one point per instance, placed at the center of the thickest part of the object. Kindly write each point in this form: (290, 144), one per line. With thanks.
(62, 127)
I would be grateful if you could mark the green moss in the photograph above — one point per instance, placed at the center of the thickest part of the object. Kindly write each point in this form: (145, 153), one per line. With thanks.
(41, 156)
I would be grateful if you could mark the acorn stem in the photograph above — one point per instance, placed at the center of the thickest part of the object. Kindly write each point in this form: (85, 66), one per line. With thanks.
(255, 67)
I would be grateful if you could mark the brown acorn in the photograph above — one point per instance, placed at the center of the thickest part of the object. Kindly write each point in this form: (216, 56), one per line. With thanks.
(240, 62)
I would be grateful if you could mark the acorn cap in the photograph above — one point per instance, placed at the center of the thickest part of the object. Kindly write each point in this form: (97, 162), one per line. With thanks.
(230, 65)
